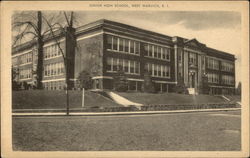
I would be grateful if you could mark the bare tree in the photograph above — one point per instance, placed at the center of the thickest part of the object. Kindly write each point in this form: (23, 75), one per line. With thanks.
(36, 26)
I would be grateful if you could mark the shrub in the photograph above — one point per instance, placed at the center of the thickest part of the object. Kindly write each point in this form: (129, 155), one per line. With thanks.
(148, 85)
(120, 81)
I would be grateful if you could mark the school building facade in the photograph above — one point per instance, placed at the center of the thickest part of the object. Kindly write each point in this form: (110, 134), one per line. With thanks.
(103, 46)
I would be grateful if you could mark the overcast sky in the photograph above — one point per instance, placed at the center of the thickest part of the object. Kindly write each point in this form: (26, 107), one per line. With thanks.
(217, 29)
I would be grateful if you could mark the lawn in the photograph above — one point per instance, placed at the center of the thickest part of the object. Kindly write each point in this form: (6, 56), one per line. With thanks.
(217, 131)
(42, 99)
(171, 98)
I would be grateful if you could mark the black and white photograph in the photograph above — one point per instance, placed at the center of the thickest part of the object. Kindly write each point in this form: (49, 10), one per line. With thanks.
(126, 77)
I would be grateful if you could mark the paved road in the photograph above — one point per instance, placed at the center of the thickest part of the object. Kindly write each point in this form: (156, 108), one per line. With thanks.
(206, 131)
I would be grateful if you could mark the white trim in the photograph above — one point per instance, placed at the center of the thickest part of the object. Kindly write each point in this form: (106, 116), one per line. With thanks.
(127, 53)
(73, 79)
(53, 42)
(23, 79)
(134, 79)
(45, 59)
(84, 37)
(25, 64)
(164, 38)
(59, 79)
(114, 34)
(164, 82)
(221, 87)
(102, 77)
(25, 52)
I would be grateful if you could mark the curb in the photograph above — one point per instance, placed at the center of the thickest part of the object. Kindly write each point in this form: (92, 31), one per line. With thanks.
(121, 113)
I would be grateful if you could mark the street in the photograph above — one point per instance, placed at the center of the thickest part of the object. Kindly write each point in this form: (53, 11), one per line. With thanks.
(200, 131)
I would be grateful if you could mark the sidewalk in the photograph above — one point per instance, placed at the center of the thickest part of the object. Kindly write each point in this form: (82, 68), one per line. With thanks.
(117, 113)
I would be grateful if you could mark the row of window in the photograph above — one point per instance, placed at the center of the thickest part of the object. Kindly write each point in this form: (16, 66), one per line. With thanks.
(212, 63)
(25, 73)
(157, 52)
(225, 66)
(53, 69)
(157, 70)
(22, 59)
(128, 66)
(54, 85)
(226, 79)
(51, 51)
(213, 77)
(123, 45)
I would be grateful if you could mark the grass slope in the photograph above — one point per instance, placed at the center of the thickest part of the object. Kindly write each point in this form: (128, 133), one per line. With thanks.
(42, 99)
(170, 98)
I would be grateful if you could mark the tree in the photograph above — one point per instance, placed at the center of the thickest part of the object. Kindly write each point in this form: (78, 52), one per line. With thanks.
(205, 87)
(120, 81)
(180, 86)
(85, 80)
(238, 89)
(14, 74)
(31, 26)
(148, 85)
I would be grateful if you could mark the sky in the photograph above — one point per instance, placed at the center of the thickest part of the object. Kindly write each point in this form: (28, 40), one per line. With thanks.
(217, 29)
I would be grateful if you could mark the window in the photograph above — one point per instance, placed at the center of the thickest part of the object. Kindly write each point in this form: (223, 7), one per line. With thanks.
(126, 45)
(150, 51)
(137, 47)
(212, 63)
(158, 70)
(129, 66)
(115, 43)
(53, 69)
(109, 41)
(121, 44)
(115, 65)
(132, 66)
(132, 47)
(155, 51)
(192, 59)
(51, 51)
(227, 79)
(109, 64)
(227, 66)
(159, 52)
(213, 77)
(126, 65)
(25, 73)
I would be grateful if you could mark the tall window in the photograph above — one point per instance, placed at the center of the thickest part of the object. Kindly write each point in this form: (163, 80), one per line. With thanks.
(123, 45)
(192, 59)
(157, 70)
(25, 73)
(129, 66)
(213, 77)
(227, 66)
(227, 79)
(26, 58)
(109, 42)
(53, 69)
(51, 51)
(212, 63)
(157, 52)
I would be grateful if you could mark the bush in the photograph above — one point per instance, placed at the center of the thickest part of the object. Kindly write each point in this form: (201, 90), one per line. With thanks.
(85, 80)
(148, 85)
(120, 81)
